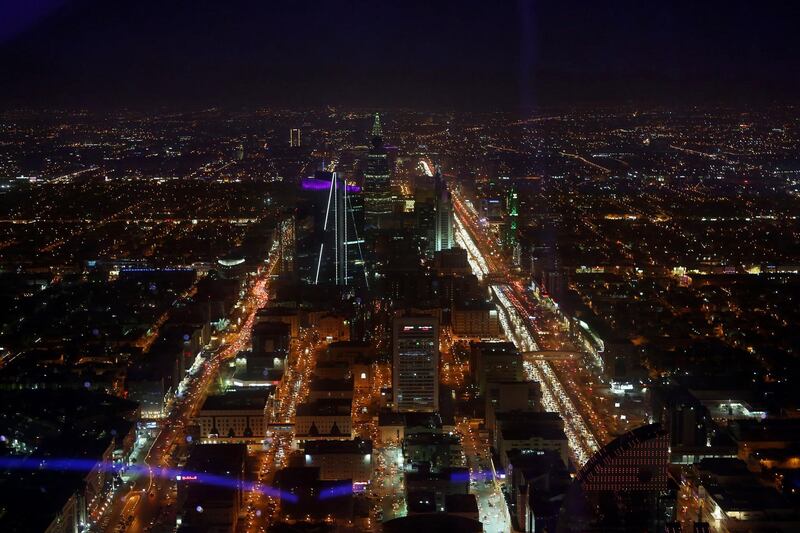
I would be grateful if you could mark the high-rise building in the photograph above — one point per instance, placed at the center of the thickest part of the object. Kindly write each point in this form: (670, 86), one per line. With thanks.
(425, 212)
(378, 201)
(284, 234)
(444, 215)
(510, 233)
(329, 233)
(294, 137)
(433, 213)
(415, 369)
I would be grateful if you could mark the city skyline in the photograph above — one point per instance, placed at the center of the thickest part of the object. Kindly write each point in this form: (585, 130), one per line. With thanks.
(349, 266)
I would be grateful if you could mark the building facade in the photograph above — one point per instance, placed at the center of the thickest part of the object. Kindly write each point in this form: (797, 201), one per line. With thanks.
(348, 459)
(236, 416)
(329, 231)
(415, 376)
(444, 215)
(378, 200)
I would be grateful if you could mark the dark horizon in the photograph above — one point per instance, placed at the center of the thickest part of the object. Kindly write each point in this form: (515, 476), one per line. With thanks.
(516, 56)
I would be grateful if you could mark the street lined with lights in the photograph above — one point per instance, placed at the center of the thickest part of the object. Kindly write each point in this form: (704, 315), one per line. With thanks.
(515, 319)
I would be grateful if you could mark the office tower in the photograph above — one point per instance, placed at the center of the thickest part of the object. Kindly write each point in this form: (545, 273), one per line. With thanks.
(425, 212)
(329, 231)
(444, 215)
(377, 187)
(510, 239)
(294, 137)
(286, 245)
(433, 213)
(415, 370)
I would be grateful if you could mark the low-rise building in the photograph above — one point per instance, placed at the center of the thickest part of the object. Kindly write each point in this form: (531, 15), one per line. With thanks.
(530, 432)
(321, 389)
(439, 450)
(769, 434)
(332, 370)
(465, 505)
(340, 459)
(445, 482)
(394, 426)
(304, 496)
(237, 416)
(324, 419)
(512, 419)
(738, 501)
(331, 327)
(432, 522)
(535, 439)
(348, 352)
(420, 502)
(270, 341)
(286, 315)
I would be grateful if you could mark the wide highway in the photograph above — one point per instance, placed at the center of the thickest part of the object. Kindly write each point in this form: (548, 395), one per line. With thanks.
(486, 261)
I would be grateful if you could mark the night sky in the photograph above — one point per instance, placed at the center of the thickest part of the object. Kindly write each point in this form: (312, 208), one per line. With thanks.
(462, 54)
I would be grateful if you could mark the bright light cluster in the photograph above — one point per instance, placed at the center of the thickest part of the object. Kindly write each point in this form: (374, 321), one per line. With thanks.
(474, 256)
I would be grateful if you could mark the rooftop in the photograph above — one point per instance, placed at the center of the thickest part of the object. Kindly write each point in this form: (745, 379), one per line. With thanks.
(434, 439)
(277, 311)
(767, 430)
(753, 498)
(236, 400)
(355, 447)
(218, 459)
(546, 432)
(326, 407)
(495, 348)
(327, 384)
(720, 466)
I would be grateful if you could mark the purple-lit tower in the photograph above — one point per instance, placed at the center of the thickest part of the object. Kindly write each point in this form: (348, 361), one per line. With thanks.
(333, 231)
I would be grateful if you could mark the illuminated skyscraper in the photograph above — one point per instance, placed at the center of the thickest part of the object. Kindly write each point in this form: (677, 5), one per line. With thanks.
(294, 137)
(512, 213)
(433, 210)
(444, 215)
(415, 369)
(377, 181)
(329, 232)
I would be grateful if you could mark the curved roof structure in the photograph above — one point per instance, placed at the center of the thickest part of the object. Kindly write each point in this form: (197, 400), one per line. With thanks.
(637, 460)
